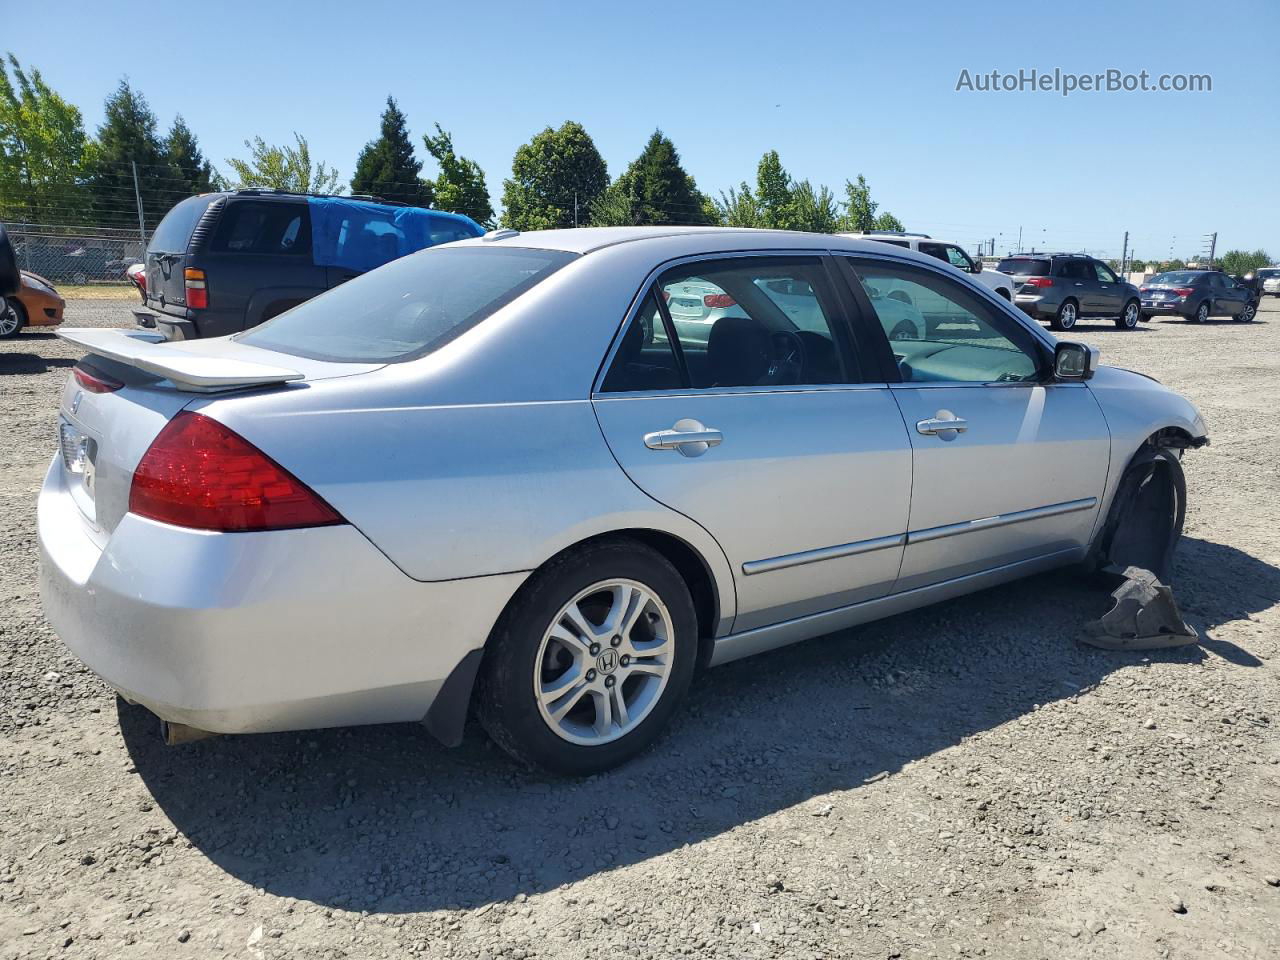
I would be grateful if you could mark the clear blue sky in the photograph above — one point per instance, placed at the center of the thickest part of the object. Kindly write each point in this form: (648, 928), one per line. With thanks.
(838, 88)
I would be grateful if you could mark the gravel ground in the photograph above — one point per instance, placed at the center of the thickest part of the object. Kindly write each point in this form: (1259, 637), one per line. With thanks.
(966, 780)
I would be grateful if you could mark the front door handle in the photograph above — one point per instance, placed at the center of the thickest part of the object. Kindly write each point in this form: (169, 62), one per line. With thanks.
(945, 426)
(689, 437)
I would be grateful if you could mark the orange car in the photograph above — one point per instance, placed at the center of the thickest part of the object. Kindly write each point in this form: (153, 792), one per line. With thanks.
(37, 305)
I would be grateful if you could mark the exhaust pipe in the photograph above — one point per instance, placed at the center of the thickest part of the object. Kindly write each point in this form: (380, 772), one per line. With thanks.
(174, 734)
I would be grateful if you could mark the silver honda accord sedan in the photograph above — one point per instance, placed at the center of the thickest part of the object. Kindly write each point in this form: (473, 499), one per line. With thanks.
(497, 476)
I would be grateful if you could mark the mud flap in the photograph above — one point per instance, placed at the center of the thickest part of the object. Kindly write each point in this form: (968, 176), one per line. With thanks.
(1145, 616)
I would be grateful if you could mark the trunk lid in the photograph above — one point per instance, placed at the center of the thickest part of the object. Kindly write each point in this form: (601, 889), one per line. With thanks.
(102, 435)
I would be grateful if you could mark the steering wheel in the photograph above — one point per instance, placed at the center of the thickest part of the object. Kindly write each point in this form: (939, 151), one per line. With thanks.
(787, 362)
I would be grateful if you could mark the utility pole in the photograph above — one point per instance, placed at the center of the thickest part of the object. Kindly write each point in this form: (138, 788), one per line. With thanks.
(137, 195)
(575, 207)
(1124, 257)
(1019, 250)
(1213, 246)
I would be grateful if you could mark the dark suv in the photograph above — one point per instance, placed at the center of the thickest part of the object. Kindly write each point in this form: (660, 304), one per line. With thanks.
(1065, 287)
(1198, 295)
(223, 262)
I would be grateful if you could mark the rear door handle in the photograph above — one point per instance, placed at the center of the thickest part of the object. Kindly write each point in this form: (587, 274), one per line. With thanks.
(689, 437)
(945, 426)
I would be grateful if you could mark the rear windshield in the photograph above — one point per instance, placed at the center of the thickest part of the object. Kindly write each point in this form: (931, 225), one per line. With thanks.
(174, 232)
(1024, 266)
(1180, 278)
(409, 307)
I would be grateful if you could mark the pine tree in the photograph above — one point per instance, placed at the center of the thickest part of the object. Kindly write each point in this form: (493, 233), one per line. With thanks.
(128, 136)
(190, 172)
(387, 167)
(555, 179)
(460, 187)
(655, 189)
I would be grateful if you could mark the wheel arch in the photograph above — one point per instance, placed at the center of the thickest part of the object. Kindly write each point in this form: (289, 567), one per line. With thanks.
(448, 712)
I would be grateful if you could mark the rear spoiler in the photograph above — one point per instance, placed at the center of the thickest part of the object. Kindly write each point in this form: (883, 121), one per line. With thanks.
(194, 372)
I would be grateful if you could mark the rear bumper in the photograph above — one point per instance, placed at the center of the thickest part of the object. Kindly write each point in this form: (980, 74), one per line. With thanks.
(1152, 308)
(256, 632)
(1035, 306)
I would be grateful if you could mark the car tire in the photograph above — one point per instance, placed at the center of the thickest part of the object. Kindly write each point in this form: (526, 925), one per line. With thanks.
(1145, 521)
(1067, 316)
(1247, 314)
(558, 691)
(905, 330)
(1129, 316)
(13, 317)
(1202, 313)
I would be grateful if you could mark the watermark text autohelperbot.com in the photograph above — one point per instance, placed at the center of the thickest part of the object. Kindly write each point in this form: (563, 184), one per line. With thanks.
(1066, 83)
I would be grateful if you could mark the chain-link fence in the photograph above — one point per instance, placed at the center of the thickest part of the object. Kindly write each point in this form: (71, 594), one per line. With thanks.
(80, 255)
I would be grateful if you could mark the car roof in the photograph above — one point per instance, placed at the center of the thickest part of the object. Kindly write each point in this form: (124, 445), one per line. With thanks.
(583, 240)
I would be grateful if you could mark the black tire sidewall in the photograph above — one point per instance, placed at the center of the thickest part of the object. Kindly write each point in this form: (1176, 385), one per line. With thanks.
(1137, 317)
(19, 311)
(505, 700)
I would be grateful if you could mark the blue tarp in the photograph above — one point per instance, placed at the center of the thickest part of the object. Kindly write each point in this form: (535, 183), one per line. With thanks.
(360, 235)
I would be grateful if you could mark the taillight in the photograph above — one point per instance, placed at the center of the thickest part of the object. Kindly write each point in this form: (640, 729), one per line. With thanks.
(93, 380)
(197, 292)
(1183, 291)
(722, 300)
(198, 473)
(1039, 281)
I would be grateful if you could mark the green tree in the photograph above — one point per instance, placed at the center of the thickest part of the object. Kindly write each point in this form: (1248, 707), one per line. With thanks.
(388, 168)
(859, 208)
(42, 150)
(460, 187)
(654, 189)
(781, 203)
(128, 136)
(555, 179)
(887, 221)
(190, 172)
(813, 210)
(1240, 262)
(284, 168)
(738, 208)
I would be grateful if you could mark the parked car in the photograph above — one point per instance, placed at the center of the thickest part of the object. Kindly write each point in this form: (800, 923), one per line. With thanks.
(1063, 288)
(36, 304)
(479, 475)
(1270, 277)
(947, 252)
(1198, 295)
(224, 262)
(69, 262)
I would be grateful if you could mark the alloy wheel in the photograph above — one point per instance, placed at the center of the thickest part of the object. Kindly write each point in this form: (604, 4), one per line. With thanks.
(1068, 316)
(604, 662)
(1249, 312)
(1131, 316)
(8, 319)
(1202, 314)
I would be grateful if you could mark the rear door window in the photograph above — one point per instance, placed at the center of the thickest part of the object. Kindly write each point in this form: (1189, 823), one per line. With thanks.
(264, 228)
(738, 322)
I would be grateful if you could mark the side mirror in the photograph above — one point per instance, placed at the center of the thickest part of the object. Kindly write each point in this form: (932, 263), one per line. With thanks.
(975, 266)
(1074, 361)
(10, 278)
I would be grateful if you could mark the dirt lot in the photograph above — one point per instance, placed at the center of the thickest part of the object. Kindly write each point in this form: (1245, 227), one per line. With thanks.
(966, 780)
